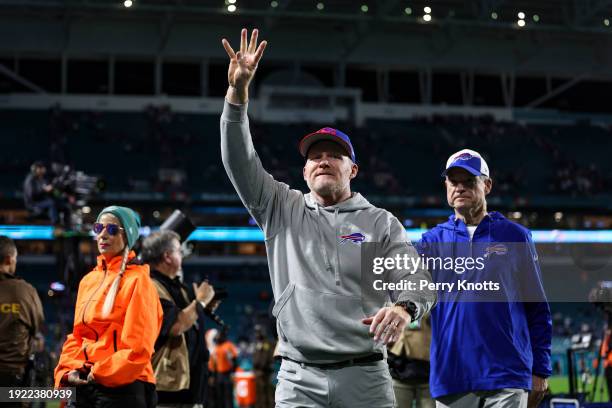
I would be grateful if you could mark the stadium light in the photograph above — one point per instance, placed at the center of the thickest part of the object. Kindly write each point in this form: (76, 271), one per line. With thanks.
(274, 4)
(320, 6)
(127, 3)
(427, 17)
(521, 15)
(231, 8)
(231, 1)
(521, 23)
(364, 8)
(607, 22)
(408, 11)
(427, 10)
(494, 15)
(536, 18)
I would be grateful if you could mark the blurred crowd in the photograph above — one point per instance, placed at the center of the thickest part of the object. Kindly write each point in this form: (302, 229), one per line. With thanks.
(178, 153)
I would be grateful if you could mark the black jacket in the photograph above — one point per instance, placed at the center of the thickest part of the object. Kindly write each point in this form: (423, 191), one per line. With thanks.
(196, 344)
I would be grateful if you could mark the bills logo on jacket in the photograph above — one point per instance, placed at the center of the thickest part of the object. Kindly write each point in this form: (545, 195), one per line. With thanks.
(496, 249)
(356, 238)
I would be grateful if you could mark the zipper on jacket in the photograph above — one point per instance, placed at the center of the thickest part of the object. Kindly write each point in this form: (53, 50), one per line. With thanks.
(89, 300)
(471, 243)
(115, 340)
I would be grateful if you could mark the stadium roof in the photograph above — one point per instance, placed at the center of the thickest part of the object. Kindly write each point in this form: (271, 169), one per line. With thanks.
(575, 15)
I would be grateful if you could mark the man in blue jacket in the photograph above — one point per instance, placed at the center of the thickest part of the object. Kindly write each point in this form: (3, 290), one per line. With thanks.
(491, 342)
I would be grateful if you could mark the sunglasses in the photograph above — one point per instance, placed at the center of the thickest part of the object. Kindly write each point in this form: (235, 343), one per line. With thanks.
(112, 229)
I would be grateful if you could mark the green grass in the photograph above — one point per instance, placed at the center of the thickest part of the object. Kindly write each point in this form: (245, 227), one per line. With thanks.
(559, 384)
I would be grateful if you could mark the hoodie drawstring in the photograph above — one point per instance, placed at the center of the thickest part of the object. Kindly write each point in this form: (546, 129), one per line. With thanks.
(337, 272)
(328, 266)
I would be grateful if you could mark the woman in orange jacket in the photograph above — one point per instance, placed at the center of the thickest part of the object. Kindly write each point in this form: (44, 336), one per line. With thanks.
(117, 319)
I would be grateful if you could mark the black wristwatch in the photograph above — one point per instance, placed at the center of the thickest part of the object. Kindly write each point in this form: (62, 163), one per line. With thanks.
(409, 307)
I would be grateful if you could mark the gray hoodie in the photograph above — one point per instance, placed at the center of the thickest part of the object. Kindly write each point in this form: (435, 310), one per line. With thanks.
(320, 288)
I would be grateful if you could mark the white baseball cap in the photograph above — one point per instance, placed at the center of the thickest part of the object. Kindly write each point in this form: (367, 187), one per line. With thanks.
(469, 160)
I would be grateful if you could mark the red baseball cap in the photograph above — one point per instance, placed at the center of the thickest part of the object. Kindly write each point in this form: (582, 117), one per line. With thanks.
(327, 133)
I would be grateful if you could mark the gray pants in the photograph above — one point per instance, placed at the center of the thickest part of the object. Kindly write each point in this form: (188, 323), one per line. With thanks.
(407, 394)
(366, 385)
(504, 398)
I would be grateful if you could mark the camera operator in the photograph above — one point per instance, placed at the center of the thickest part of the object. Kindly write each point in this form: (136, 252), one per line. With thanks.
(41, 195)
(181, 357)
(21, 316)
(37, 192)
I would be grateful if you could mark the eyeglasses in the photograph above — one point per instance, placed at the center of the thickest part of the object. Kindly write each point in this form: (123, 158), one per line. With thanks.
(112, 229)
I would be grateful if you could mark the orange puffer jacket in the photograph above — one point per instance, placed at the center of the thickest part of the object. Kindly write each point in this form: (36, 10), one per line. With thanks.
(118, 348)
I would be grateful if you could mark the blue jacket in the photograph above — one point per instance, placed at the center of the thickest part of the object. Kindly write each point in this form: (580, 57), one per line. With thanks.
(495, 344)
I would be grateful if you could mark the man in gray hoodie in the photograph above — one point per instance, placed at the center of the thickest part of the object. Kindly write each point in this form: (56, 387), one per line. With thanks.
(332, 325)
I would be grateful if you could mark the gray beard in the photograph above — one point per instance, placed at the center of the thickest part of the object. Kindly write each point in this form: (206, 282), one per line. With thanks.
(327, 190)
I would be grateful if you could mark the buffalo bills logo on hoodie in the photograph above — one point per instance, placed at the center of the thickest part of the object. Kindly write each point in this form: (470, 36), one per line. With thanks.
(355, 238)
(497, 249)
